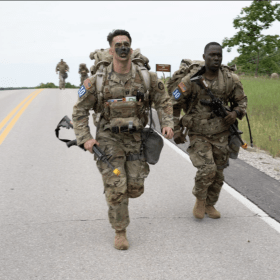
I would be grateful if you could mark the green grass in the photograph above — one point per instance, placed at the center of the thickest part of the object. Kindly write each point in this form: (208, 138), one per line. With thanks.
(264, 113)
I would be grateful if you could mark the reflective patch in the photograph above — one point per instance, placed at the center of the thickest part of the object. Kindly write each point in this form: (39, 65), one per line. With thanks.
(176, 93)
(82, 91)
(182, 87)
(87, 84)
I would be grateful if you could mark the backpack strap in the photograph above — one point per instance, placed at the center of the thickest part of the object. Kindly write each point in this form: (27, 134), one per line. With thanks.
(100, 75)
(228, 79)
(145, 76)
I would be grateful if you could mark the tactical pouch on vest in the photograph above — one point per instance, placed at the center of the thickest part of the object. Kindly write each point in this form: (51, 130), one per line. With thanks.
(124, 114)
(211, 126)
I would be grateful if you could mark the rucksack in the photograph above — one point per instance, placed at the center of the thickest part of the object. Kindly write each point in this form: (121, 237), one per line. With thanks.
(187, 66)
(102, 57)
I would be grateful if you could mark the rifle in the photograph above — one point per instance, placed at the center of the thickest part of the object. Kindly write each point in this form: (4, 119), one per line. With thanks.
(215, 103)
(67, 123)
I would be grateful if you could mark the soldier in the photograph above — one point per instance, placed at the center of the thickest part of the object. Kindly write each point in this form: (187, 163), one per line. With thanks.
(62, 67)
(208, 133)
(113, 118)
(83, 70)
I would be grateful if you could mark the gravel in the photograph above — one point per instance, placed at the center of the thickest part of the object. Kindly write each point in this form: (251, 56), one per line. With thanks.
(262, 161)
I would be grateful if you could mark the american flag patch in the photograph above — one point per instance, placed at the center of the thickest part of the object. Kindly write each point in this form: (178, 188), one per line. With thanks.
(87, 84)
(182, 87)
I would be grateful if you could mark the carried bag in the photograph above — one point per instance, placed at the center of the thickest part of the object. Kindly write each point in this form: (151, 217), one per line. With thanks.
(65, 76)
(234, 145)
(152, 143)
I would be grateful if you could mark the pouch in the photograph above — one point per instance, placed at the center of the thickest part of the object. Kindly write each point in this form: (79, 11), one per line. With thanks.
(152, 145)
(234, 146)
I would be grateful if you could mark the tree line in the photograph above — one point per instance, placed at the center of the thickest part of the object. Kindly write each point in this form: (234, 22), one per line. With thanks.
(52, 85)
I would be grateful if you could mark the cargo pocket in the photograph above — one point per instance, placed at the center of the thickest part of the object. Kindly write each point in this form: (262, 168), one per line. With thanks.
(200, 153)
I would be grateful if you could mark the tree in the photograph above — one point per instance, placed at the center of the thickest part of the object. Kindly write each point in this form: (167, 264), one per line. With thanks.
(252, 45)
(47, 85)
(68, 85)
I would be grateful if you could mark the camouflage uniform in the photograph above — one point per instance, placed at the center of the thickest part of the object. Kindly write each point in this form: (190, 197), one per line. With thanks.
(83, 70)
(130, 182)
(208, 150)
(62, 67)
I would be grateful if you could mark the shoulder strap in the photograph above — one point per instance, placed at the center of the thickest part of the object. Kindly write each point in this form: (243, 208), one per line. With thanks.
(227, 73)
(145, 76)
(100, 78)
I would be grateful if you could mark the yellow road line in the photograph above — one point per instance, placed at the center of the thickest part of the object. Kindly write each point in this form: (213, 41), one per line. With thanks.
(15, 119)
(14, 110)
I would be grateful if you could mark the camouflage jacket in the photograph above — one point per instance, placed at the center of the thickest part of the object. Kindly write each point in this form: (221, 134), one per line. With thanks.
(62, 67)
(113, 88)
(199, 118)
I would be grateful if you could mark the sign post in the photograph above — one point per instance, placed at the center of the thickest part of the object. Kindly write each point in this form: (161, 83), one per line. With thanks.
(163, 68)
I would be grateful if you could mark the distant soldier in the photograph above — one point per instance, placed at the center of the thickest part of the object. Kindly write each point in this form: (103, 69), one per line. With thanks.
(62, 67)
(209, 133)
(83, 70)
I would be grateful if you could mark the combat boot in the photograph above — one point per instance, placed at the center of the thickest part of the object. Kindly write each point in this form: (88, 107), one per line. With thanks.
(212, 212)
(121, 242)
(199, 209)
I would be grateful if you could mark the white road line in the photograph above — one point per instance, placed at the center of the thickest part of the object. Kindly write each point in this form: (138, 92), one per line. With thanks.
(246, 202)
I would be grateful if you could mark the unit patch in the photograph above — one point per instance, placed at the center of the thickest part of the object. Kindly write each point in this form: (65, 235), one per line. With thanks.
(87, 84)
(176, 93)
(82, 91)
(160, 85)
(182, 87)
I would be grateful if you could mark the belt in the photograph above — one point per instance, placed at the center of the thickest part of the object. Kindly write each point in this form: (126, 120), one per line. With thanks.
(125, 128)
(133, 157)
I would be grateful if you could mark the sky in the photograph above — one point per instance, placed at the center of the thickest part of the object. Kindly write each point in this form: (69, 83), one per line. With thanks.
(34, 36)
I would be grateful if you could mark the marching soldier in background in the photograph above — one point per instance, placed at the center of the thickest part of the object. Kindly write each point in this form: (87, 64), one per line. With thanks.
(62, 67)
(120, 93)
(83, 70)
(209, 134)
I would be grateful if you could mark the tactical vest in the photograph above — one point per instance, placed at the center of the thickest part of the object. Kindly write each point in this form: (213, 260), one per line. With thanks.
(207, 122)
(123, 113)
(62, 67)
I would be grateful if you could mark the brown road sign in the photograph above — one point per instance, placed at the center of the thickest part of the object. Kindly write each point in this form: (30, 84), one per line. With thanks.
(163, 67)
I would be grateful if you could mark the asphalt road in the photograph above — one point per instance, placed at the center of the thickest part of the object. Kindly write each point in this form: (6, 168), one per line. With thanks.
(54, 224)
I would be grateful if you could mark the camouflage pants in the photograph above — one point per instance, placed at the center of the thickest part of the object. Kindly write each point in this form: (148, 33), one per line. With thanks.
(210, 158)
(61, 80)
(130, 183)
(83, 78)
